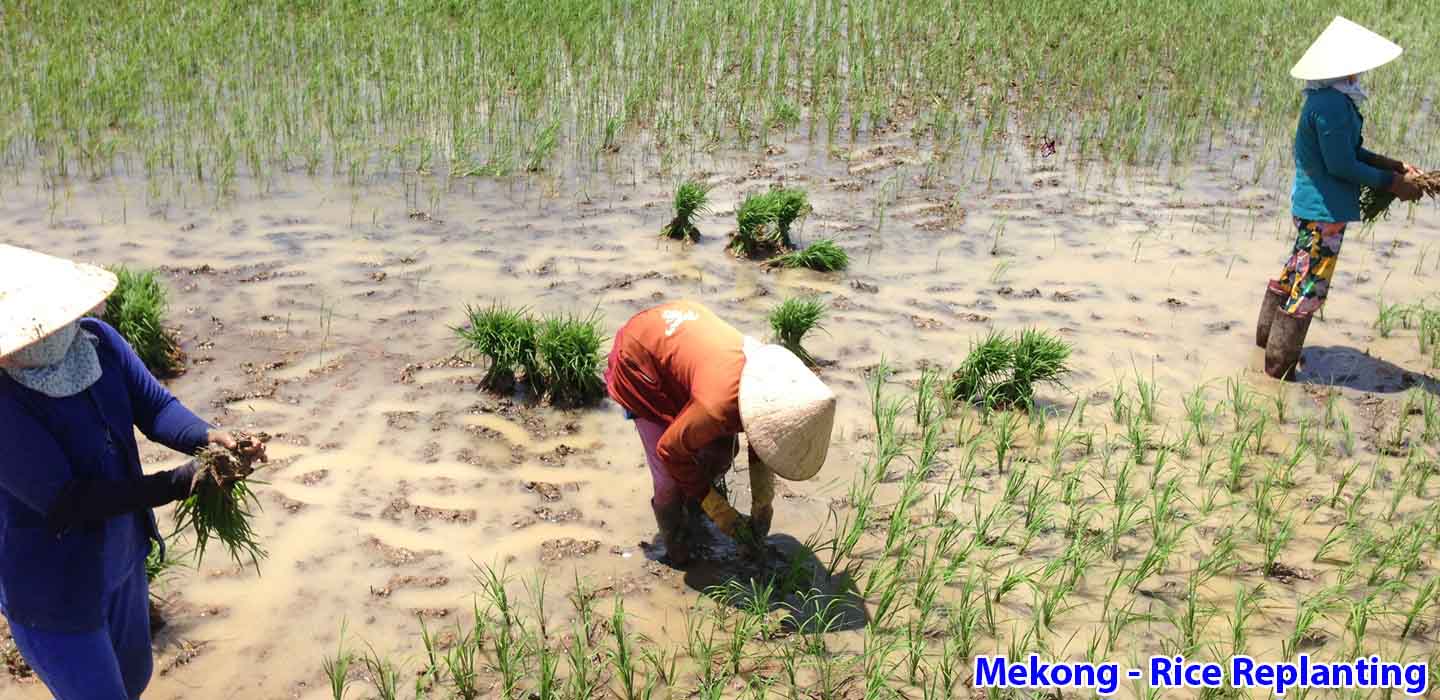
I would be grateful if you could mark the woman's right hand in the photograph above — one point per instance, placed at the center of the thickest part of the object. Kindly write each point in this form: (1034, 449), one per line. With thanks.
(1405, 187)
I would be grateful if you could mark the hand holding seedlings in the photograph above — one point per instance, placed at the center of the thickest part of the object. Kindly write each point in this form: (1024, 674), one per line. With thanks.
(220, 498)
(247, 447)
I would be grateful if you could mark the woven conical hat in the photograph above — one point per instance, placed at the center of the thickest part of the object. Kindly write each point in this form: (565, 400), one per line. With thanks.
(786, 411)
(1344, 49)
(40, 294)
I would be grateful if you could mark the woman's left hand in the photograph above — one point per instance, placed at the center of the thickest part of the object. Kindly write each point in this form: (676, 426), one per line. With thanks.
(255, 449)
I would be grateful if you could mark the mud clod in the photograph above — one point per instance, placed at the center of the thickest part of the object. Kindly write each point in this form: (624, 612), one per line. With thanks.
(397, 556)
(547, 491)
(567, 548)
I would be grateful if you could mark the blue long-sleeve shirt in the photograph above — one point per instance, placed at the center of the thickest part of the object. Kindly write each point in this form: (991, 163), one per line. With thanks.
(54, 581)
(1330, 159)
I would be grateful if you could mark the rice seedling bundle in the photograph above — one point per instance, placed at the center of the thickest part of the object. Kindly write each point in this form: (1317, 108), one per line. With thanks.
(792, 205)
(1002, 371)
(692, 199)
(220, 500)
(137, 310)
(755, 221)
(763, 221)
(505, 337)
(793, 319)
(568, 357)
(1375, 204)
(822, 255)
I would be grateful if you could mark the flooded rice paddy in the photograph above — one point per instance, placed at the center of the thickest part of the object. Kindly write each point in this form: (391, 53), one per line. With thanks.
(321, 313)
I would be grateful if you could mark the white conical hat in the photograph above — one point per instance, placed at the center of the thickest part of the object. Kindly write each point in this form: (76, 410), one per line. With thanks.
(786, 411)
(40, 294)
(1344, 49)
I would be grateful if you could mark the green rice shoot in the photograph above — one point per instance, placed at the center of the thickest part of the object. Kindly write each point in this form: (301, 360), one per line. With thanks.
(504, 337)
(793, 205)
(755, 221)
(220, 504)
(568, 359)
(823, 255)
(793, 319)
(137, 310)
(1002, 371)
(692, 199)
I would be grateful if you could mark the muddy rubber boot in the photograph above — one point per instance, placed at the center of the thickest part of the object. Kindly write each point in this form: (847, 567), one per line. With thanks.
(671, 521)
(1268, 308)
(1282, 347)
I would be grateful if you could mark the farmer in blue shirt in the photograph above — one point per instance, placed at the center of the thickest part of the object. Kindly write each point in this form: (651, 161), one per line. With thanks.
(1331, 165)
(75, 507)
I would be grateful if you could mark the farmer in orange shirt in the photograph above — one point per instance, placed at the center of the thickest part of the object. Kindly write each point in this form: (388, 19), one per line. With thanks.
(692, 383)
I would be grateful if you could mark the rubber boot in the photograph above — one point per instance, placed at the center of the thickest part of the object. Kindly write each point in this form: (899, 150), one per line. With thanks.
(1268, 307)
(1282, 347)
(671, 521)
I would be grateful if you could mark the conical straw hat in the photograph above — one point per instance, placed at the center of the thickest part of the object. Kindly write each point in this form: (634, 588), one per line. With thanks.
(40, 294)
(1344, 49)
(786, 411)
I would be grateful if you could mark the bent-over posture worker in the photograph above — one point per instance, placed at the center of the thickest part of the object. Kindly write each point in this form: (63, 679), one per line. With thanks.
(1331, 165)
(692, 383)
(75, 507)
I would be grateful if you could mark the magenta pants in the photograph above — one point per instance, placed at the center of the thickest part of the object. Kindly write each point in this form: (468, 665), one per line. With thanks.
(715, 458)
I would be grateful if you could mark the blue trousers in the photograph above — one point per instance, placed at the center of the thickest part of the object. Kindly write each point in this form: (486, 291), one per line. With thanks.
(113, 663)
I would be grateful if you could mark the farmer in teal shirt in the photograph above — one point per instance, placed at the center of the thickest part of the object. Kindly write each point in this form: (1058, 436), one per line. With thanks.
(75, 507)
(1331, 165)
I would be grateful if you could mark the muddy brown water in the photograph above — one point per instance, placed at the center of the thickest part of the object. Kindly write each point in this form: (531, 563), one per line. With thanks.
(320, 313)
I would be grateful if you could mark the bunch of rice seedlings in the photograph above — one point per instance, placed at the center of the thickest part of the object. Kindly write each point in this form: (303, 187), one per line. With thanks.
(988, 364)
(823, 255)
(1039, 357)
(1002, 371)
(1375, 204)
(755, 221)
(137, 310)
(793, 205)
(220, 500)
(505, 337)
(763, 221)
(568, 358)
(691, 199)
(793, 319)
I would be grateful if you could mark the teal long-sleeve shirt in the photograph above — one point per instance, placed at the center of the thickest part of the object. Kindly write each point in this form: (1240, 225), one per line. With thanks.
(1330, 159)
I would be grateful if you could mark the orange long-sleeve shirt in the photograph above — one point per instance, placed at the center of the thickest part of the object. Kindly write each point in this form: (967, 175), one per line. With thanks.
(678, 363)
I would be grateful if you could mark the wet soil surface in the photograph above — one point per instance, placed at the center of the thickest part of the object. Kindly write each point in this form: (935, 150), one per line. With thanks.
(322, 315)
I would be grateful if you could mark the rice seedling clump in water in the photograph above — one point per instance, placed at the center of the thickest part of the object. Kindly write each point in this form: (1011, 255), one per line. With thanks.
(755, 220)
(822, 255)
(692, 199)
(505, 337)
(137, 310)
(792, 205)
(220, 499)
(763, 222)
(793, 319)
(1002, 371)
(568, 358)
